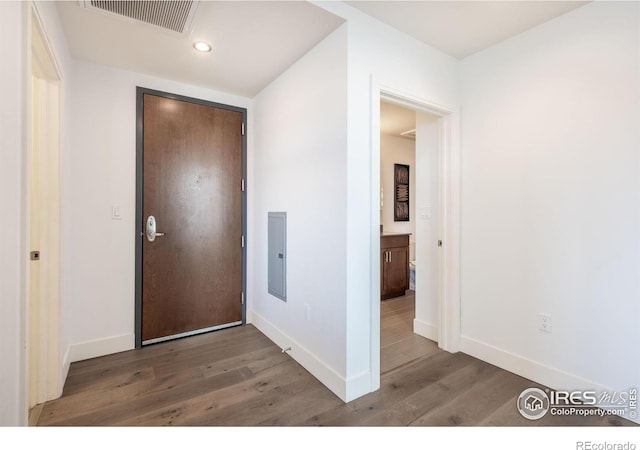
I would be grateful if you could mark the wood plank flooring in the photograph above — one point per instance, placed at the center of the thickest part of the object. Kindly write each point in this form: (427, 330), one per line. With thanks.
(239, 377)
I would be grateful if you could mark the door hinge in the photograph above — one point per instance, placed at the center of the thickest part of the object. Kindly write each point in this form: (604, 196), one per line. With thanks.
(439, 243)
(242, 298)
(242, 184)
(242, 241)
(243, 128)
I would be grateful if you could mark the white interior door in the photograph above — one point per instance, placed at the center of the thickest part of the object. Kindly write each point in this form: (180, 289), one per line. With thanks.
(43, 344)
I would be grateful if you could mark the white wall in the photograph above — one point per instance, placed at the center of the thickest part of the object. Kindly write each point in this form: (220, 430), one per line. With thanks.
(299, 166)
(551, 199)
(12, 195)
(99, 171)
(397, 150)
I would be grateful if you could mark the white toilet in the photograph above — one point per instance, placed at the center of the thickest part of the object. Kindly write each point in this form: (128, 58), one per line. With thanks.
(412, 275)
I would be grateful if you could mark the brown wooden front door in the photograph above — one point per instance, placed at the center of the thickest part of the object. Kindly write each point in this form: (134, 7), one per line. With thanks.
(192, 186)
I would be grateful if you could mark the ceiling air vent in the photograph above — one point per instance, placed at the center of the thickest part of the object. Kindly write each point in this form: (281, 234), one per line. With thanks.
(411, 134)
(175, 16)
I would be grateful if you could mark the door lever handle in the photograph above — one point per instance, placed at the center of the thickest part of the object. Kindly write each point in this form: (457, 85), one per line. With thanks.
(151, 229)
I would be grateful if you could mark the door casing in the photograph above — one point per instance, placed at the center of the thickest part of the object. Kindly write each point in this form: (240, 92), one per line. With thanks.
(140, 92)
(449, 326)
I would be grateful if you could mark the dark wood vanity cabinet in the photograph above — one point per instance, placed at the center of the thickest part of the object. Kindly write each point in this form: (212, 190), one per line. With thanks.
(394, 265)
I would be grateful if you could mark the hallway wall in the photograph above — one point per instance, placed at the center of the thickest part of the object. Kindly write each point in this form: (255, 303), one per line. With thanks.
(551, 199)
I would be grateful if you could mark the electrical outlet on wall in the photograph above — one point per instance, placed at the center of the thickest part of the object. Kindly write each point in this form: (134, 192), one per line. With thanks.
(544, 322)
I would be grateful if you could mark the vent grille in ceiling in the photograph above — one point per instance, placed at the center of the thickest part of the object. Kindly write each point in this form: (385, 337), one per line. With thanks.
(172, 15)
(411, 134)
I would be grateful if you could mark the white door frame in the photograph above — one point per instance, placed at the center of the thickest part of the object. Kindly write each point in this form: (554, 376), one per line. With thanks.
(44, 367)
(449, 191)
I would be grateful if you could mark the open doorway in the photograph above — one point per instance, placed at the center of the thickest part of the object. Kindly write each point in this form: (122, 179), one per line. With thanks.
(438, 125)
(409, 234)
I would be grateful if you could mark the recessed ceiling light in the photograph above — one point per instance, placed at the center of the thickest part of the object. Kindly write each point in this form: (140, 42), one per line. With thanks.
(202, 46)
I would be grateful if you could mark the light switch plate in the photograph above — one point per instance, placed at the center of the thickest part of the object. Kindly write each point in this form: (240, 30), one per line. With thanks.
(116, 213)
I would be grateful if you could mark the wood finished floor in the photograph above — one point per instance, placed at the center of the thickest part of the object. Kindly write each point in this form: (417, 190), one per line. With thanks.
(238, 377)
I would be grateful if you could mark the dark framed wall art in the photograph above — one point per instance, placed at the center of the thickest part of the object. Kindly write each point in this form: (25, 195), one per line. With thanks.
(401, 190)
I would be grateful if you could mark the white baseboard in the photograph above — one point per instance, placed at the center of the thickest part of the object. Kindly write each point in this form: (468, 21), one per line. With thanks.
(425, 329)
(346, 390)
(533, 370)
(100, 347)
